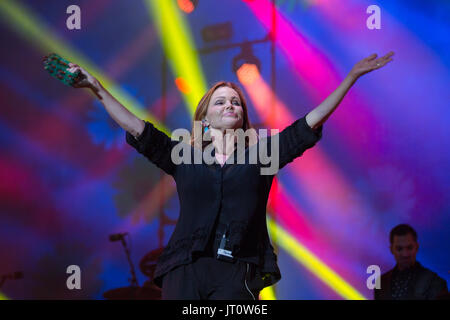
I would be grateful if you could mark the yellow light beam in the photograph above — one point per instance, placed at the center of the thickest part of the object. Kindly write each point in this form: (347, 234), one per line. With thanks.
(313, 263)
(180, 51)
(30, 26)
(267, 294)
(3, 297)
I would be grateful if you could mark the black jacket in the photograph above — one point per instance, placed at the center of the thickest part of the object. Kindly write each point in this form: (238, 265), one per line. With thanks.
(425, 285)
(235, 194)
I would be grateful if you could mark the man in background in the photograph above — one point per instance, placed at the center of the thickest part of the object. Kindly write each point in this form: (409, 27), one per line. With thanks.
(409, 280)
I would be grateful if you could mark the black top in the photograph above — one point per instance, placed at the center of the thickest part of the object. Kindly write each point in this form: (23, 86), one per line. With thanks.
(213, 197)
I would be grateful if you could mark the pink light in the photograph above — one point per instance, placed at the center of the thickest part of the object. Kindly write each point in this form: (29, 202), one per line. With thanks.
(270, 109)
(317, 74)
(294, 220)
(317, 174)
(309, 62)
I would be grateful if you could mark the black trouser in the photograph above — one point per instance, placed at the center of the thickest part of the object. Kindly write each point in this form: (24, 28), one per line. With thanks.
(210, 278)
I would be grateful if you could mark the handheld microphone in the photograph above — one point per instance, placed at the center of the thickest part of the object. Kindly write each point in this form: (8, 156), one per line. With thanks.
(117, 236)
(57, 67)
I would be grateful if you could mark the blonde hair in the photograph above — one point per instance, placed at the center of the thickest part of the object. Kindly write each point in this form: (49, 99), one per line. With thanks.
(202, 109)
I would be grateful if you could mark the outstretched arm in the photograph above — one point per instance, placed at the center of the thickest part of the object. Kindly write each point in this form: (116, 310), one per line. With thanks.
(116, 110)
(320, 114)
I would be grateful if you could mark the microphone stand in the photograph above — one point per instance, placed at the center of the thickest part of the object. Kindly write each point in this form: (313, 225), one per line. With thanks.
(133, 280)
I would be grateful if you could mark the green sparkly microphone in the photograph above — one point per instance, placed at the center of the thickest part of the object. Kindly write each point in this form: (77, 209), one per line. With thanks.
(56, 66)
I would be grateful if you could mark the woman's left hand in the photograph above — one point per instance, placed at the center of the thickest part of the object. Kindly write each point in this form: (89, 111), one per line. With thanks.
(369, 64)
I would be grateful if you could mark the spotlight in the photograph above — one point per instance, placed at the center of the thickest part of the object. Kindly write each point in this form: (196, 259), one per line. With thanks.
(187, 5)
(246, 66)
(247, 73)
(182, 85)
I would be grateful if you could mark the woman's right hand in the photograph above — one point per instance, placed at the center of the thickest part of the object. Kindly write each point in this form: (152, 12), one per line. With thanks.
(88, 81)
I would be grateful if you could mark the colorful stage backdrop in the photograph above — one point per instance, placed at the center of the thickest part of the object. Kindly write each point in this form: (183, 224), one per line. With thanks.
(68, 179)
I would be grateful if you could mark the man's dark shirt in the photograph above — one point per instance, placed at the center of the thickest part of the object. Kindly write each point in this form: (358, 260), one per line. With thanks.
(401, 282)
(233, 196)
(414, 283)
